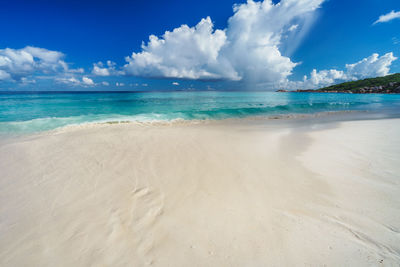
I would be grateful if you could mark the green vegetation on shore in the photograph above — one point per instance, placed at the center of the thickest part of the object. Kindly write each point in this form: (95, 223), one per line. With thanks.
(389, 84)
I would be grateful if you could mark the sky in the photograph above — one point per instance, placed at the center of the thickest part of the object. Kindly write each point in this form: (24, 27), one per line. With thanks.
(195, 45)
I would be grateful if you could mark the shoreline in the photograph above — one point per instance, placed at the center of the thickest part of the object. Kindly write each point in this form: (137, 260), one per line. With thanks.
(315, 91)
(291, 192)
(319, 117)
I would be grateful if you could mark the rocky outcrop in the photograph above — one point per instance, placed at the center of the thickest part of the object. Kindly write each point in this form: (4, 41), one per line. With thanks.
(391, 88)
(389, 84)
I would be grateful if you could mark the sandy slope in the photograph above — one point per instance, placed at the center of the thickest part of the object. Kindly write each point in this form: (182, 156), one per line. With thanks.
(224, 194)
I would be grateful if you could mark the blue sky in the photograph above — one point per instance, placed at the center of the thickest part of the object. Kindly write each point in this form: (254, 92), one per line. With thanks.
(260, 45)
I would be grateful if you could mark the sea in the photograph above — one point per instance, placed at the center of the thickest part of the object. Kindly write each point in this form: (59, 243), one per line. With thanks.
(32, 112)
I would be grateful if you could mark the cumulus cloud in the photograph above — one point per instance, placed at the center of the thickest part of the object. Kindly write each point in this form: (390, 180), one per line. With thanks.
(16, 64)
(248, 49)
(372, 66)
(325, 77)
(108, 69)
(175, 83)
(87, 81)
(186, 52)
(74, 81)
(388, 17)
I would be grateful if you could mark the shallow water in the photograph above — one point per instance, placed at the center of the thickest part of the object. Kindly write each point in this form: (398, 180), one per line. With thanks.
(35, 112)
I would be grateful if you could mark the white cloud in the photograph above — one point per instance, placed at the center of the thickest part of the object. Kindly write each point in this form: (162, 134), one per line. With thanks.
(293, 27)
(186, 52)
(73, 81)
(324, 77)
(69, 81)
(175, 83)
(108, 69)
(249, 49)
(16, 64)
(26, 81)
(119, 84)
(87, 81)
(105, 83)
(79, 70)
(388, 17)
(4, 75)
(372, 66)
(100, 71)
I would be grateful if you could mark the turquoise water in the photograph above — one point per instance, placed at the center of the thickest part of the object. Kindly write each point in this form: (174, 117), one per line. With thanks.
(33, 112)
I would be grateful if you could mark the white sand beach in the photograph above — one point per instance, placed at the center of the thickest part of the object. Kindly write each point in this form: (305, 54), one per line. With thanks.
(214, 194)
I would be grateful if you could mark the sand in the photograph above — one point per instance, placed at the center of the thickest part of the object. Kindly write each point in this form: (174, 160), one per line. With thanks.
(214, 194)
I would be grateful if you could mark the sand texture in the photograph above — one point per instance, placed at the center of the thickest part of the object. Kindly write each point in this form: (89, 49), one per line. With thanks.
(219, 194)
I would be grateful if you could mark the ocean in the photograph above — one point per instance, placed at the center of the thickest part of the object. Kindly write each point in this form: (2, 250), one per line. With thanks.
(30, 112)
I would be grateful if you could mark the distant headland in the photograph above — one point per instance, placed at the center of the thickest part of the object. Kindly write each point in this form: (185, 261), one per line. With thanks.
(389, 84)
